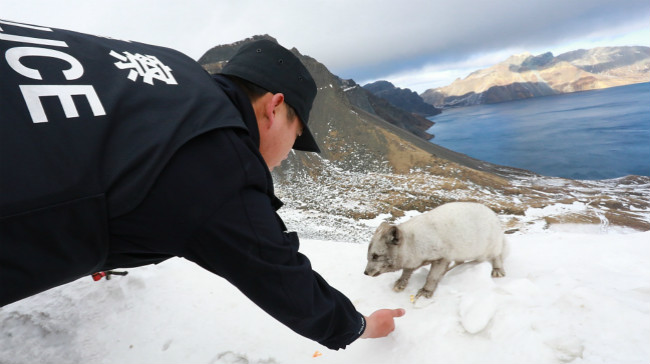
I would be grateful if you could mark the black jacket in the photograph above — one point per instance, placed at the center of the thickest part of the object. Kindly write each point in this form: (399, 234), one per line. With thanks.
(144, 171)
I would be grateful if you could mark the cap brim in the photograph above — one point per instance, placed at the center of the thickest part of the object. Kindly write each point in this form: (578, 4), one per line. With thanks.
(306, 142)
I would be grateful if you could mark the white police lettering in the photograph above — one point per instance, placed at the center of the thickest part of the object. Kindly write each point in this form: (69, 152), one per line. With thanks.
(14, 55)
(32, 93)
(149, 67)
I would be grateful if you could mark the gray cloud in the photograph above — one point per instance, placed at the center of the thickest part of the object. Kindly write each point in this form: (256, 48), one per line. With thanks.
(446, 31)
(360, 39)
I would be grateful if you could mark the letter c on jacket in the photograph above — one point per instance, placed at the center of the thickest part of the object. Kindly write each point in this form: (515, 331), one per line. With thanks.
(14, 55)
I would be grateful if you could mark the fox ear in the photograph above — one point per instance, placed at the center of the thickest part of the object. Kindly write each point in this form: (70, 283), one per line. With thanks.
(394, 236)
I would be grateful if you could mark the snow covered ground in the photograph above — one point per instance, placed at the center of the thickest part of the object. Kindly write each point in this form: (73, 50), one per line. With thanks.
(572, 294)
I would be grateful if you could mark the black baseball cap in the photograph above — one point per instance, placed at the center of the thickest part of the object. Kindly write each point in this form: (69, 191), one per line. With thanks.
(277, 70)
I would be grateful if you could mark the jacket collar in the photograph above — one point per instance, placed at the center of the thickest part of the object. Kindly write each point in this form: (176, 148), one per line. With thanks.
(242, 103)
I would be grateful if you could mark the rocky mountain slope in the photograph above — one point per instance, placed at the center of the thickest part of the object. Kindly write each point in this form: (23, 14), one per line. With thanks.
(369, 168)
(406, 119)
(403, 98)
(214, 59)
(524, 76)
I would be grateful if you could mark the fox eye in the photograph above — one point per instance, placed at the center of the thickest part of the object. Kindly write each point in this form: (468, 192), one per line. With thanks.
(375, 257)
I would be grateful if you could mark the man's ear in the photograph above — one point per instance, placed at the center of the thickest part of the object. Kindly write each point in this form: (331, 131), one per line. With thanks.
(272, 106)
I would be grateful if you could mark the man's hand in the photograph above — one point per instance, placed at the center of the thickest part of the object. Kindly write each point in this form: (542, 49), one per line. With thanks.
(381, 323)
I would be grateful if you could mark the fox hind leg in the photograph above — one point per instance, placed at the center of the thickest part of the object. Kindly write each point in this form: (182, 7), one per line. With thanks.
(497, 267)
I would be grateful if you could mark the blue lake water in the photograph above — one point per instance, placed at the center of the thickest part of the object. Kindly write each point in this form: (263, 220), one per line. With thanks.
(596, 134)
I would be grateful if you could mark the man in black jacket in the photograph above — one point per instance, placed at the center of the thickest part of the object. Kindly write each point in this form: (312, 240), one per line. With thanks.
(121, 154)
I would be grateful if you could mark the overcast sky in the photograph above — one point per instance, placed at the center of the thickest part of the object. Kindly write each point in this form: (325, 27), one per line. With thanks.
(414, 44)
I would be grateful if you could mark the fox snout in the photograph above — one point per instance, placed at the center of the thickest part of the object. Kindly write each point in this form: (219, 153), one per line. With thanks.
(371, 273)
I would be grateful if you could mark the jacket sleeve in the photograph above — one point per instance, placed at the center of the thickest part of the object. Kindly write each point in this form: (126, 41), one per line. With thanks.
(244, 242)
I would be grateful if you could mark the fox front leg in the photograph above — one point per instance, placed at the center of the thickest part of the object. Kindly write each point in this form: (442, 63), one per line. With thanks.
(401, 283)
(437, 270)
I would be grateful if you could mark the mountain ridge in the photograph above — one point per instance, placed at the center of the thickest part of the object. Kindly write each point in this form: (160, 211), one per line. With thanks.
(525, 75)
(215, 58)
(403, 98)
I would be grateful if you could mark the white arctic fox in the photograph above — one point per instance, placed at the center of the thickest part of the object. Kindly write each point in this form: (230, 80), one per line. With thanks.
(454, 232)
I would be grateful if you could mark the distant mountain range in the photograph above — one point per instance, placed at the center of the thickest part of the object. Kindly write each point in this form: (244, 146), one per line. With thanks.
(374, 162)
(524, 75)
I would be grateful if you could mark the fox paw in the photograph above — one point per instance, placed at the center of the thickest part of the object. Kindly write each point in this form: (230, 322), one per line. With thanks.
(399, 286)
(424, 293)
(498, 273)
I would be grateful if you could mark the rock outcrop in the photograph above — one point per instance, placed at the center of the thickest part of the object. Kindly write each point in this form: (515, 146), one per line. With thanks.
(402, 98)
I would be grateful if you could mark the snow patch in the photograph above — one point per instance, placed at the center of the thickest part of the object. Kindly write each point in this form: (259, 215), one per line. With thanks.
(568, 296)
(555, 209)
